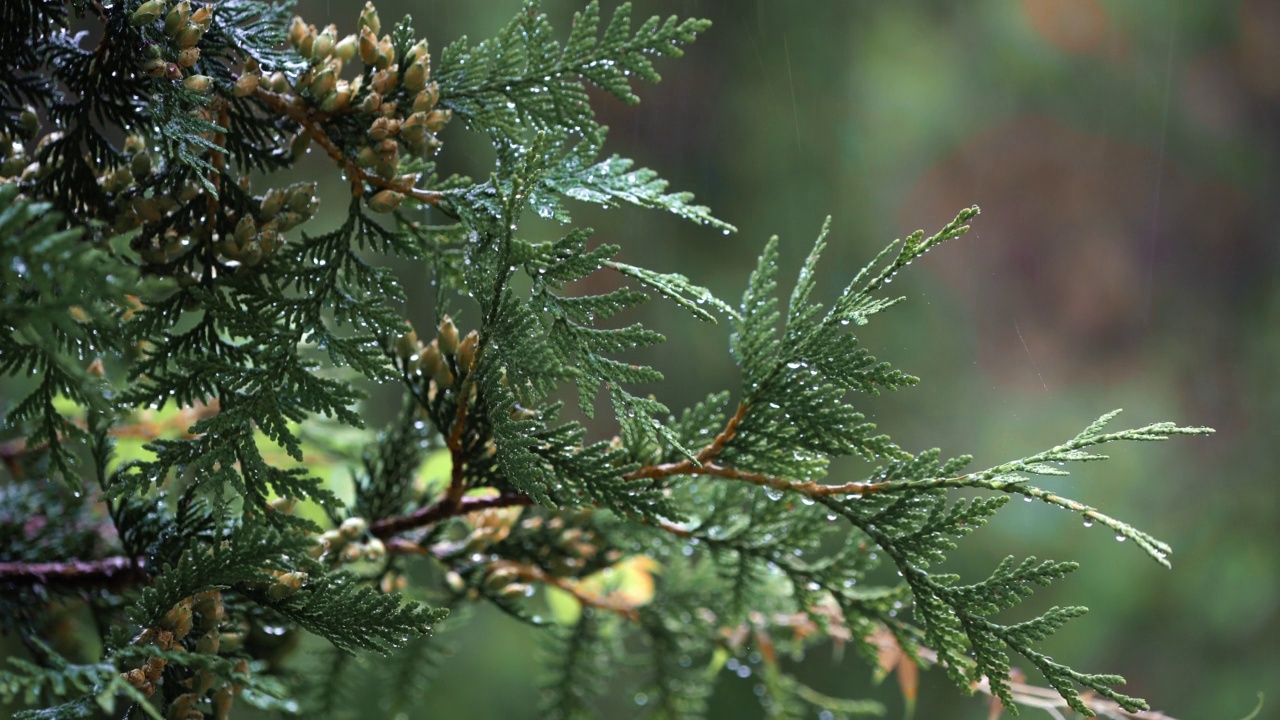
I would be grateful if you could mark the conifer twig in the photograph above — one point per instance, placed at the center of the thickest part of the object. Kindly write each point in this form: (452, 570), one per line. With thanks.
(702, 465)
(533, 573)
(457, 482)
(105, 571)
(808, 487)
(696, 465)
(388, 527)
(123, 570)
(726, 435)
(307, 117)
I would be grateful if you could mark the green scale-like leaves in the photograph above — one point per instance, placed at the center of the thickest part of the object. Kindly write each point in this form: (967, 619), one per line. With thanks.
(523, 79)
(794, 418)
(61, 305)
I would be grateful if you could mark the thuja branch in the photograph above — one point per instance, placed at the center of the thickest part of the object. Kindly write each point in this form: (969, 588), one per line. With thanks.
(195, 95)
(443, 510)
(310, 119)
(123, 571)
(807, 487)
(75, 573)
(533, 573)
(703, 465)
(458, 480)
(1011, 477)
(701, 461)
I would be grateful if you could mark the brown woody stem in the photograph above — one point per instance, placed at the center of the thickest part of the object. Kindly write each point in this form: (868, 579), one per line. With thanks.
(703, 465)
(458, 478)
(107, 571)
(444, 509)
(533, 573)
(309, 119)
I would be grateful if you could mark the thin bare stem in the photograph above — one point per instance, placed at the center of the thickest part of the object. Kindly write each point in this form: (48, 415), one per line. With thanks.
(75, 573)
(809, 488)
(458, 479)
(533, 573)
(431, 514)
(702, 465)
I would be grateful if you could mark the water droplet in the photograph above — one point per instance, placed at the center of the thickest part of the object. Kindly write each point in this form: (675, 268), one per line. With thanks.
(1119, 538)
(772, 493)
(1026, 498)
(641, 699)
(1088, 522)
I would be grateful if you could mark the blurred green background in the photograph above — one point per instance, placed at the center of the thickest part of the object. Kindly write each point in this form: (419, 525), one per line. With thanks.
(1125, 158)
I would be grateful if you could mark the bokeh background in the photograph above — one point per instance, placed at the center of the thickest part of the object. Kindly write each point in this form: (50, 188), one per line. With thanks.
(1125, 158)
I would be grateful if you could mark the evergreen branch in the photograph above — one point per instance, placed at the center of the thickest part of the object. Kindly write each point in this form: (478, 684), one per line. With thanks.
(782, 687)
(444, 510)
(57, 677)
(123, 571)
(1006, 477)
(310, 119)
(417, 664)
(706, 454)
(807, 488)
(678, 289)
(855, 302)
(457, 454)
(676, 690)
(523, 78)
(108, 571)
(533, 573)
(615, 180)
(276, 332)
(353, 616)
(1049, 699)
(387, 488)
(576, 657)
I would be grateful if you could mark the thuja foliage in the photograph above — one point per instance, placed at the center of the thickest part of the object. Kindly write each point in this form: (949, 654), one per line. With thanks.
(188, 354)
